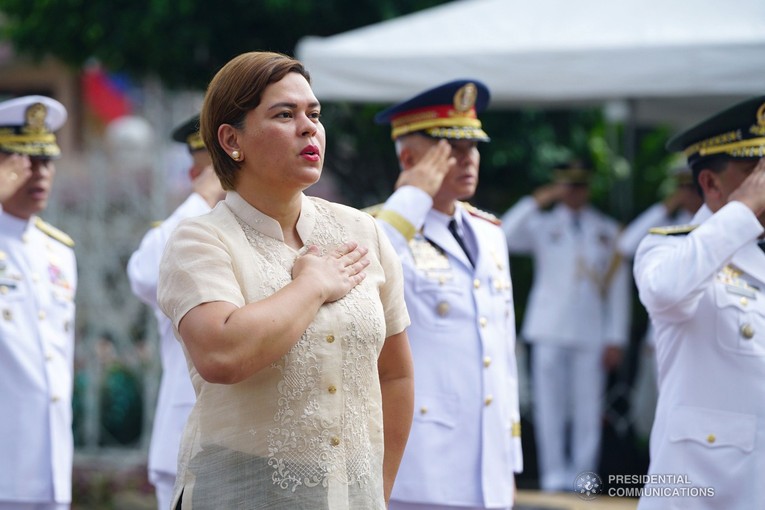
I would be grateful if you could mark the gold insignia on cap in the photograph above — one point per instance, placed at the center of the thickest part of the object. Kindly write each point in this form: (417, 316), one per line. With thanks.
(464, 98)
(195, 141)
(759, 129)
(35, 118)
(34, 137)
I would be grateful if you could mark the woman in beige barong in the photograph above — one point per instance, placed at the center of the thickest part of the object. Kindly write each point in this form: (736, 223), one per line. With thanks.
(291, 314)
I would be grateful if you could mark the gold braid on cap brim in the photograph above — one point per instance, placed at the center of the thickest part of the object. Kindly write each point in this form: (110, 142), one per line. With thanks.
(728, 143)
(40, 144)
(424, 125)
(195, 141)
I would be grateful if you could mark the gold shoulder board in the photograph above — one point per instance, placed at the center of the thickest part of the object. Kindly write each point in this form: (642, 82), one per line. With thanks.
(53, 232)
(478, 213)
(672, 230)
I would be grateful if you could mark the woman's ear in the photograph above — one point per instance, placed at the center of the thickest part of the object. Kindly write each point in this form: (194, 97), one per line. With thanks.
(228, 138)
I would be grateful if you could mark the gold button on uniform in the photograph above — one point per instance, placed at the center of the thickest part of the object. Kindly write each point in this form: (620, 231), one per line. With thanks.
(330, 339)
(335, 441)
(55, 398)
(487, 361)
(483, 321)
(3, 289)
(488, 400)
(515, 429)
(48, 356)
(332, 389)
(423, 410)
(7, 315)
(711, 438)
(744, 301)
(747, 331)
(443, 308)
(476, 283)
(41, 315)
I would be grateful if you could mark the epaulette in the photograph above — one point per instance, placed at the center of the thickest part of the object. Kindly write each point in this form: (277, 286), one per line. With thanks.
(373, 209)
(672, 230)
(53, 232)
(393, 219)
(478, 213)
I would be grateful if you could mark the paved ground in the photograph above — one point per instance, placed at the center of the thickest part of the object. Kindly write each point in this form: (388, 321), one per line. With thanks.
(535, 500)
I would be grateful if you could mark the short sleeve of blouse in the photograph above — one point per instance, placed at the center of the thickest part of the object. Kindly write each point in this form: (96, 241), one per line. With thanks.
(197, 267)
(392, 290)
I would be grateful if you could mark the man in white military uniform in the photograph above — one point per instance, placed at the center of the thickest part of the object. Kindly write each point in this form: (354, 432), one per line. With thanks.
(704, 288)
(176, 394)
(577, 319)
(464, 445)
(38, 280)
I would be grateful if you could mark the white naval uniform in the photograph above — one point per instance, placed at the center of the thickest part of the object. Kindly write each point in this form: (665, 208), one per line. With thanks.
(176, 394)
(38, 280)
(464, 444)
(705, 292)
(644, 391)
(579, 303)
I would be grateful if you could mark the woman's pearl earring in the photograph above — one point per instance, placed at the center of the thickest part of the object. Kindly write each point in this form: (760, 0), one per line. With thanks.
(235, 155)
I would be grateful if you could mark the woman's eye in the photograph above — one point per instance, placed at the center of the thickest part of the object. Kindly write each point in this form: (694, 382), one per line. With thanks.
(284, 115)
(315, 115)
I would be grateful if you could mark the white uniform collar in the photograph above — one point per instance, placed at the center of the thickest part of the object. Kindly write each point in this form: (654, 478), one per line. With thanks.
(444, 219)
(14, 226)
(703, 214)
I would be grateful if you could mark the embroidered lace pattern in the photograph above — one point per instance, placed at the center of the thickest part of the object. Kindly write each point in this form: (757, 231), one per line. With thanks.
(320, 436)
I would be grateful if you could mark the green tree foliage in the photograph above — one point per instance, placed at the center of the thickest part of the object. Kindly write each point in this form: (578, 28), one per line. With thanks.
(183, 42)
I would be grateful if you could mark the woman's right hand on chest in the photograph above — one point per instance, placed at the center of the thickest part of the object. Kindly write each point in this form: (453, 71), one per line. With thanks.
(334, 273)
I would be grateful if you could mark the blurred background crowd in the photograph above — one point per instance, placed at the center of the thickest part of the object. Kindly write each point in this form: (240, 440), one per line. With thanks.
(128, 72)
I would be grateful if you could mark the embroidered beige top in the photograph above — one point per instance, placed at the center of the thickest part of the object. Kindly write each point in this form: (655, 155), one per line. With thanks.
(305, 432)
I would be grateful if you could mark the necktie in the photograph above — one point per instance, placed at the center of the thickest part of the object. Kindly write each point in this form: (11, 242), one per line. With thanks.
(455, 232)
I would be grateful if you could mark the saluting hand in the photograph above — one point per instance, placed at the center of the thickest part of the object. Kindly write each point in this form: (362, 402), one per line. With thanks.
(751, 192)
(14, 172)
(548, 194)
(429, 172)
(337, 272)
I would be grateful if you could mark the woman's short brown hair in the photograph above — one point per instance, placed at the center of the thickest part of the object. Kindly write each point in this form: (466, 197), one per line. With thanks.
(235, 90)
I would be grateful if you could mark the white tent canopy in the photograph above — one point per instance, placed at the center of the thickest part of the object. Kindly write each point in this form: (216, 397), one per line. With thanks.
(673, 60)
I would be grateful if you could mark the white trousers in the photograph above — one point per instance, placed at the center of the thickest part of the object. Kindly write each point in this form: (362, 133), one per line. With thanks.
(568, 404)
(164, 484)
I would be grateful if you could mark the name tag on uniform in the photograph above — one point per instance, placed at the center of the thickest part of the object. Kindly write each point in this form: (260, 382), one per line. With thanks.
(731, 278)
(746, 291)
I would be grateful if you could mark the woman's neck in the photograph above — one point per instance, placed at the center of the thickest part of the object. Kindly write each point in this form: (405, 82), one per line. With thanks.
(284, 209)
